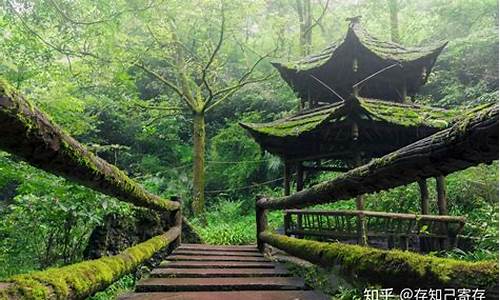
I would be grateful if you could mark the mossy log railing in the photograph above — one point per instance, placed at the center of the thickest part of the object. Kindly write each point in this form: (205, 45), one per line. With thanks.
(469, 142)
(80, 280)
(390, 268)
(397, 229)
(28, 133)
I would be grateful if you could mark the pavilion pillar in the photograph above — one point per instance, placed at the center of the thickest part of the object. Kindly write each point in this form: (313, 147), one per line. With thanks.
(300, 176)
(360, 203)
(424, 196)
(404, 93)
(286, 178)
(441, 195)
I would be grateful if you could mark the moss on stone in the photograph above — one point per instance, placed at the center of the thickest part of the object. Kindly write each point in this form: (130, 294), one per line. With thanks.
(81, 280)
(391, 268)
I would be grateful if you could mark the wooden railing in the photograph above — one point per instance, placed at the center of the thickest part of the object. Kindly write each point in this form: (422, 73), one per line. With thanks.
(28, 133)
(397, 230)
(467, 143)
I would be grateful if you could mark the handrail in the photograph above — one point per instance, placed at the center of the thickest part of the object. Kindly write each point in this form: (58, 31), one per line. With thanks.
(367, 213)
(30, 134)
(469, 142)
(80, 280)
(391, 268)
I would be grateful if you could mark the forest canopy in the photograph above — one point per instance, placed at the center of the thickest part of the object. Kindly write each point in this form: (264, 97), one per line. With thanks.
(159, 87)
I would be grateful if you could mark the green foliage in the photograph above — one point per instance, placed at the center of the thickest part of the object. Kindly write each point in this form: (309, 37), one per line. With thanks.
(121, 286)
(44, 219)
(83, 279)
(229, 223)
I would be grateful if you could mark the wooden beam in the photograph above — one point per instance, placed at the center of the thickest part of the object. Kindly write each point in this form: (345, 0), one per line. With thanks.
(325, 168)
(469, 142)
(28, 133)
(424, 196)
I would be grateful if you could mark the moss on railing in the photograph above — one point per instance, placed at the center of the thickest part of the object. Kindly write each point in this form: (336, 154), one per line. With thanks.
(81, 280)
(30, 134)
(390, 268)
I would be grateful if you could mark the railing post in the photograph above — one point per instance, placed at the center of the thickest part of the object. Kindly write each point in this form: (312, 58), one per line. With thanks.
(287, 222)
(261, 222)
(177, 219)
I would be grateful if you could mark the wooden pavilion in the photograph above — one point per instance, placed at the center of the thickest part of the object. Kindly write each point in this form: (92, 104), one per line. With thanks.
(344, 67)
(355, 105)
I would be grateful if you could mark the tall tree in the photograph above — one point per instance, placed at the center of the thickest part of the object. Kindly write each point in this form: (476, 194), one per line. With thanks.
(197, 83)
(394, 11)
(307, 23)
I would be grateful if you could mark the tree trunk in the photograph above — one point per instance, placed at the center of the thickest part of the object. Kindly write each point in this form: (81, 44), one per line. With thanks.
(198, 163)
(305, 19)
(393, 11)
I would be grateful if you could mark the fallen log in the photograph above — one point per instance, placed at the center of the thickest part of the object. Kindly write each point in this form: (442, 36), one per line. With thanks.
(28, 133)
(469, 142)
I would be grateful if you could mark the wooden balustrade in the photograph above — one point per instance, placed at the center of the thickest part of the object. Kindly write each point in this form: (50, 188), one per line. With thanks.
(396, 229)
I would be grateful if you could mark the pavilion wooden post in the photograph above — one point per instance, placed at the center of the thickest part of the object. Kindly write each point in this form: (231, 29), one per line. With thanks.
(360, 203)
(424, 196)
(404, 92)
(424, 241)
(300, 176)
(261, 222)
(441, 195)
(286, 178)
(442, 205)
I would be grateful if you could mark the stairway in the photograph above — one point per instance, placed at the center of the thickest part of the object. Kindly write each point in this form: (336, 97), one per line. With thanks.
(203, 272)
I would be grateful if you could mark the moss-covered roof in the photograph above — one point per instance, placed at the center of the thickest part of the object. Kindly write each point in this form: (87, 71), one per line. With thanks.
(386, 50)
(355, 58)
(406, 115)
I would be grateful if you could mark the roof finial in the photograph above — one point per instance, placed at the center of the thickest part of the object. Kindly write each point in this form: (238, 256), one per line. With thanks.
(353, 20)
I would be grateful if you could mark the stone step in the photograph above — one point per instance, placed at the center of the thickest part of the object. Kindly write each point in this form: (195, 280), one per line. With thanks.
(214, 258)
(218, 264)
(236, 272)
(244, 248)
(234, 295)
(219, 284)
(217, 253)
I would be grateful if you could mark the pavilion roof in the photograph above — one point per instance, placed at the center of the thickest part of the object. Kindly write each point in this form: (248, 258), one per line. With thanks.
(401, 115)
(334, 67)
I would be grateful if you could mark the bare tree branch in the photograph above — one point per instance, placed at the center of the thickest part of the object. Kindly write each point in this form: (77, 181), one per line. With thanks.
(318, 20)
(233, 89)
(214, 54)
(167, 82)
(107, 19)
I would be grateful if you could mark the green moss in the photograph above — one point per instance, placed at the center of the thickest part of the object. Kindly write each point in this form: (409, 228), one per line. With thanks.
(81, 280)
(394, 114)
(40, 131)
(392, 268)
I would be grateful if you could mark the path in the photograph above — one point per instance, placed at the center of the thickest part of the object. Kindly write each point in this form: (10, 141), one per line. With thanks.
(203, 272)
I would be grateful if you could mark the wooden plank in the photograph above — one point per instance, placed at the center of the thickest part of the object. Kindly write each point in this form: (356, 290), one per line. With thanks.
(245, 248)
(234, 295)
(215, 258)
(235, 272)
(220, 264)
(217, 253)
(219, 284)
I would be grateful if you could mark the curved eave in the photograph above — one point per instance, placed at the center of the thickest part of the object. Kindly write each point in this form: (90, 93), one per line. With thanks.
(361, 38)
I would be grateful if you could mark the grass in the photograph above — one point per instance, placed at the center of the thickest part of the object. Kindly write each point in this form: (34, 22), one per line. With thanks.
(123, 285)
